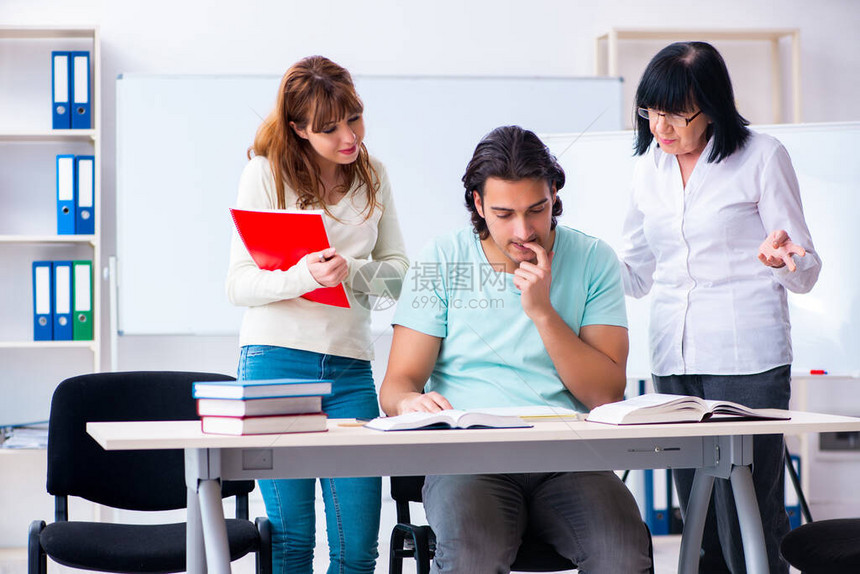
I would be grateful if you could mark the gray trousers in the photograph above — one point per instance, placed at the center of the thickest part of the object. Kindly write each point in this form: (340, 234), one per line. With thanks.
(722, 548)
(589, 517)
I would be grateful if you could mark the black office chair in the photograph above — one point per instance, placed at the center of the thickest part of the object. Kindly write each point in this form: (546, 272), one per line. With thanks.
(419, 542)
(130, 480)
(824, 547)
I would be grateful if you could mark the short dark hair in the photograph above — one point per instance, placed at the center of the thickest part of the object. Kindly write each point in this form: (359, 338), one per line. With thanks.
(510, 153)
(688, 74)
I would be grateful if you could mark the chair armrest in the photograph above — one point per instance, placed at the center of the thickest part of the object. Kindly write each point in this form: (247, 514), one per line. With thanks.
(264, 553)
(36, 561)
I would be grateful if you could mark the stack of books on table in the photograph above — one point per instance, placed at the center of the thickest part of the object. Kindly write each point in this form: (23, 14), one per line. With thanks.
(271, 406)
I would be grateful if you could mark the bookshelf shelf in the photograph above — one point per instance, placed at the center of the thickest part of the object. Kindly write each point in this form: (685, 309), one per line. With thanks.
(47, 345)
(46, 32)
(35, 239)
(49, 136)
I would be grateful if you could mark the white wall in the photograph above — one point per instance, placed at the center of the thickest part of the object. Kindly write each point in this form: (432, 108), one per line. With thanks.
(446, 37)
(483, 37)
(449, 37)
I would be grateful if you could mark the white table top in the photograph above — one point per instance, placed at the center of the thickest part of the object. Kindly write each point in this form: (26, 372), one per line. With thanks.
(343, 432)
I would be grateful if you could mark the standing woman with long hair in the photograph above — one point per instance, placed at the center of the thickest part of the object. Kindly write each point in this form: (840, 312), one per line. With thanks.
(716, 230)
(309, 154)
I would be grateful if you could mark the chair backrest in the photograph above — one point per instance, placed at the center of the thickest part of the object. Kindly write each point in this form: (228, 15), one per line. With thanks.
(133, 480)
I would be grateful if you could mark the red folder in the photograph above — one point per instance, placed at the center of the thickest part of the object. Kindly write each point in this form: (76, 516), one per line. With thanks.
(277, 240)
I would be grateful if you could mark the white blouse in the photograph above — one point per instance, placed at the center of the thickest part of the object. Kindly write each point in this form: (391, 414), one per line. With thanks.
(716, 309)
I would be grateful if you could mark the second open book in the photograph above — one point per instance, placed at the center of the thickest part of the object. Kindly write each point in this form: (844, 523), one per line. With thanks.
(492, 417)
(663, 408)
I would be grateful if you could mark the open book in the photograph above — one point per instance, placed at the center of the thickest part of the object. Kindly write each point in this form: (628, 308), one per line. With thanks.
(662, 408)
(278, 239)
(447, 419)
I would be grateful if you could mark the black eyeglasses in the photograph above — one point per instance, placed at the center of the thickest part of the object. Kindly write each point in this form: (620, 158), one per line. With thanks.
(675, 120)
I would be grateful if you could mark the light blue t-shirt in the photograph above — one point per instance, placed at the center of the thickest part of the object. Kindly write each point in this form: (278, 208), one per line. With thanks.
(492, 354)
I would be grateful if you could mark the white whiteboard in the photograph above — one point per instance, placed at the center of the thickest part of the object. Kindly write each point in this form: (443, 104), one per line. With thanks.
(826, 321)
(181, 143)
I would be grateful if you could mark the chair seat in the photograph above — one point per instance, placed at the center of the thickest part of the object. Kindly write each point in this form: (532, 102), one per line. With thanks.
(826, 546)
(133, 548)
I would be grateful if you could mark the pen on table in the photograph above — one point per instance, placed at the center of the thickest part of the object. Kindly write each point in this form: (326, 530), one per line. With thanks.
(817, 372)
(558, 417)
(359, 422)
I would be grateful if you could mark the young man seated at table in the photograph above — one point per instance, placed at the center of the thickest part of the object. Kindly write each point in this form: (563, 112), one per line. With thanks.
(514, 311)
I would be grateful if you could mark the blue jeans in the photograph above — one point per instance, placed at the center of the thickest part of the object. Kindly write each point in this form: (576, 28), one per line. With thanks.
(722, 548)
(352, 505)
(588, 517)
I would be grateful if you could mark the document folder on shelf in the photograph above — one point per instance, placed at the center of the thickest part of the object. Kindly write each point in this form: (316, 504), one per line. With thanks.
(657, 500)
(61, 90)
(65, 195)
(82, 310)
(85, 195)
(62, 300)
(81, 116)
(43, 298)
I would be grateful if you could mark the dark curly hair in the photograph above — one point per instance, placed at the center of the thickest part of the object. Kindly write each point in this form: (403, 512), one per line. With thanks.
(510, 153)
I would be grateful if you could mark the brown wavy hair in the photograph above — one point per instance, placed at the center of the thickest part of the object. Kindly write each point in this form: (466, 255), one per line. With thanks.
(314, 87)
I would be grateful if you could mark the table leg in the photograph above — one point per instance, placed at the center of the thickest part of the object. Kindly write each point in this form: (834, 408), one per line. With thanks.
(749, 517)
(694, 522)
(195, 556)
(214, 527)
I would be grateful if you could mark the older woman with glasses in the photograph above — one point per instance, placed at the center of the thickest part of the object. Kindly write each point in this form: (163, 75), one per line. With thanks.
(716, 230)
